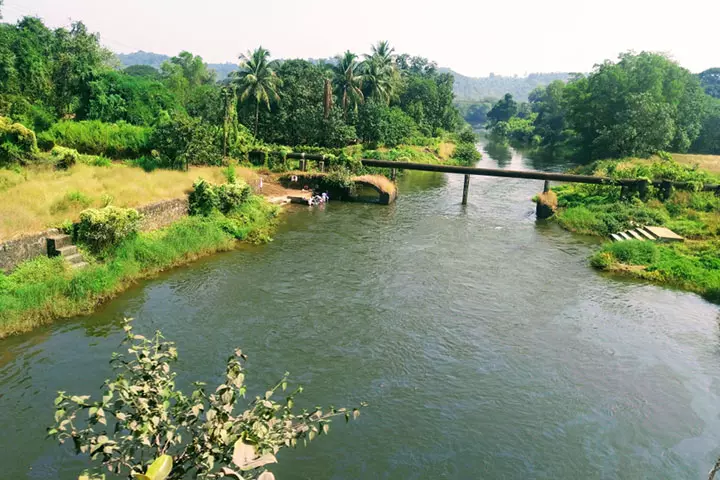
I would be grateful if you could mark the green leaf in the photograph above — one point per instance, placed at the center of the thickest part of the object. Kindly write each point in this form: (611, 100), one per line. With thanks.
(160, 468)
(326, 428)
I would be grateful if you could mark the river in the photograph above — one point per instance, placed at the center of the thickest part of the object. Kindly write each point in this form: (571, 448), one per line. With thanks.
(483, 342)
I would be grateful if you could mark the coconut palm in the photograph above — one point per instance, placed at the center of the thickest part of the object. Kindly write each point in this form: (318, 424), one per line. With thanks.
(380, 73)
(348, 81)
(257, 80)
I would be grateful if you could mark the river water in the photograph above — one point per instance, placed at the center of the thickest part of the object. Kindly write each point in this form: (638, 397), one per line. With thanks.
(484, 344)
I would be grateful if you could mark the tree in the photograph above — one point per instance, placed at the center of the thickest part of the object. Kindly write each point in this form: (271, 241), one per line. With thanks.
(709, 139)
(146, 71)
(201, 435)
(503, 110)
(78, 59)
(620, 99)
(379, 73)
(256, 80)
(550, 106)
(710, 80)
(348, 82)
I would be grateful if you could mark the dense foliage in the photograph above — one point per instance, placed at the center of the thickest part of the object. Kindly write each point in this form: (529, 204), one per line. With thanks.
(174, 113)
(640, 105)
(101, 229)
(17, 143)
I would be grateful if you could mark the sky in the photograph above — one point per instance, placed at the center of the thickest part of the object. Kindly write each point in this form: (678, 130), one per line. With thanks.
(473, 37)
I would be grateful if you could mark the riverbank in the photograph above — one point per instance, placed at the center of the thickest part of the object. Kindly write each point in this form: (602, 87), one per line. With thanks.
(692, 265)
(45, 289)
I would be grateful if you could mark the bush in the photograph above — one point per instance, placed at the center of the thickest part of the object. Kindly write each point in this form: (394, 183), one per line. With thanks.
(206, 197)
(64, 158)
(18, 144)
(232, 195)
(104, 228)
(466, 153)
(114, 140)
(96, 160)
(71, 200)
(633, 252)
(182, 141)
(161, 432)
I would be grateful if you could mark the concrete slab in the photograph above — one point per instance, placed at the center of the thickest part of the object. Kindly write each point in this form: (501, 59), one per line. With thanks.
(664, 234)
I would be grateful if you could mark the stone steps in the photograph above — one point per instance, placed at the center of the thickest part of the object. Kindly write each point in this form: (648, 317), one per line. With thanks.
(653, 234)
(61, 246)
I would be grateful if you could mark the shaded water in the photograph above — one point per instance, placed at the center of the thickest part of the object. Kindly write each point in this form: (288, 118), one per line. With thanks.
(485, 345)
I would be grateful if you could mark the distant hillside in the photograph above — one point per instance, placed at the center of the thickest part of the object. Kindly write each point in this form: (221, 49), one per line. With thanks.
(156, 59)
(466, 88)
(496, 86)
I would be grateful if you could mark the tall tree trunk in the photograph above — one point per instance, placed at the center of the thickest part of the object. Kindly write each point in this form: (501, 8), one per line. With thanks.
(345, 104)
(257, 117)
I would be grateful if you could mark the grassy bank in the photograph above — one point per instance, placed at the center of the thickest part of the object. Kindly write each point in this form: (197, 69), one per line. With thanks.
(44, 289)
(34, 198)
(692, 265)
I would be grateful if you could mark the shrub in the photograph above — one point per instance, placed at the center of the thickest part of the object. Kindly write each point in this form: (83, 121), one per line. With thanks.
(232, 195)
(104, 228)
(203, 199)
(182, 141)
(206, 197)
(64, 158)
(205, 435)
(96, 160)
(633, 252)
(115, 140)
(71, 200)
(18, 144)
(466, 153)
(467, 135)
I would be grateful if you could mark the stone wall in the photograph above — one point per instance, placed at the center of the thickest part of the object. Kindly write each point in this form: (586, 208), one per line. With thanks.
(14, 252)
(155, 215)
(163, 213)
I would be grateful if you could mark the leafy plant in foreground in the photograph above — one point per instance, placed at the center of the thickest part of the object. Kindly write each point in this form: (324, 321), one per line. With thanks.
(142, 417)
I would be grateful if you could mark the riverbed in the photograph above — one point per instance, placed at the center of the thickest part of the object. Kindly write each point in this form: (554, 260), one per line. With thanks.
(483, 342)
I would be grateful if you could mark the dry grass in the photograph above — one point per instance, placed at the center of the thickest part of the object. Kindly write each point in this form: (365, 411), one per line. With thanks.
(709, 163)
(380, 181)
(38, 198)
(445, 150)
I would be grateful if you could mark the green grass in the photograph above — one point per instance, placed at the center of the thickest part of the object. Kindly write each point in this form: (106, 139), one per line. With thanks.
(598, 210)
(694, 266)
(44, 289)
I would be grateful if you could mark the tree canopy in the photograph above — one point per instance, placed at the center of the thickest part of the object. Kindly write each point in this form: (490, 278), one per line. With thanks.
(637, 106)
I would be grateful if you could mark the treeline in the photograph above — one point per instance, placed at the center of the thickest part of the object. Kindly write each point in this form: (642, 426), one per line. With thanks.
(474, 89)
(638, 106)
(65, 87)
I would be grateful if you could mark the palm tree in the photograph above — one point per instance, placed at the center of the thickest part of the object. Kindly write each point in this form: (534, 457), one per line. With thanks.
(348, 81)
(380, 72)
(257, 80)
(383, 52)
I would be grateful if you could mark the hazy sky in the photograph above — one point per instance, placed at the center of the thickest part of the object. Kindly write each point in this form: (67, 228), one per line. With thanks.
(471, 37)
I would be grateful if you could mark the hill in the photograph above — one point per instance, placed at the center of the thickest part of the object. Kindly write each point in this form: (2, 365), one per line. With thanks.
(466, 88)
(156, 59)
(496, 86)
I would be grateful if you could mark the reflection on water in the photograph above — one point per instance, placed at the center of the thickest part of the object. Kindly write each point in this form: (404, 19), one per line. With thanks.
(485, 345)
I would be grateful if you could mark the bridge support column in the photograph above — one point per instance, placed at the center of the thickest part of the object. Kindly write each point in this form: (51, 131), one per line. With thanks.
(546, 203)
(466, 187)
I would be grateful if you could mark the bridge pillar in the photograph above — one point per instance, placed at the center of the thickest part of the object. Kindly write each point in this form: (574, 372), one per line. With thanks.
(466, 187)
